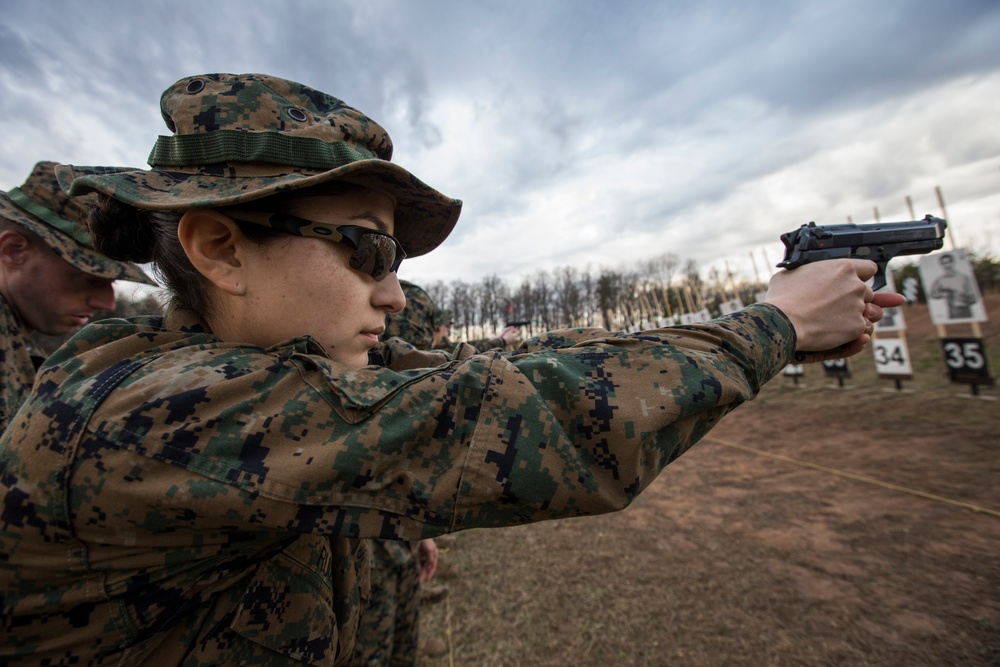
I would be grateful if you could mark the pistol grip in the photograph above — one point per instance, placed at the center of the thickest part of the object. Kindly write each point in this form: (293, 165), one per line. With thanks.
(879, 281)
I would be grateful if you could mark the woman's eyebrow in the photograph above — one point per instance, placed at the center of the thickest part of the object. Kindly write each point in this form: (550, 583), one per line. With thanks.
(379, 223)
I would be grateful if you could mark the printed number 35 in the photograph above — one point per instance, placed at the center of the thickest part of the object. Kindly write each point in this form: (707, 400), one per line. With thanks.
(967, 355)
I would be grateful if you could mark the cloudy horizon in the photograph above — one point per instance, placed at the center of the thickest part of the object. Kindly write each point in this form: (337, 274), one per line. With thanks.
(585, 133)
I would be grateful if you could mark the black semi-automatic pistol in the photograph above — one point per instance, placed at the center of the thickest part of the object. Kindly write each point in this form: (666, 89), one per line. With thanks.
(879, 243)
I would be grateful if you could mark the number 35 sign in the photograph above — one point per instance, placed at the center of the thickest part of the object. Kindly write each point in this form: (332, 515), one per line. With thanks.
(966, 360)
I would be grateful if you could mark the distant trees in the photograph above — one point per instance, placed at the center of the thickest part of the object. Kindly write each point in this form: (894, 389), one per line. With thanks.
(643, 295)
(640, 296)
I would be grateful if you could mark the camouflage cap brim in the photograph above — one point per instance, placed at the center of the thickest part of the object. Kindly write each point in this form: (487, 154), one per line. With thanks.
(423, 216)
(42, 208)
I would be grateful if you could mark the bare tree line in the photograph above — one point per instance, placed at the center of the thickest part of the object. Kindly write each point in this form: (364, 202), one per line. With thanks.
(652, 293)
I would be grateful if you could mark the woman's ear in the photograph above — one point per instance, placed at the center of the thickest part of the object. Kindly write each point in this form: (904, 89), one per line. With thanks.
(14, 248)
(212, 242)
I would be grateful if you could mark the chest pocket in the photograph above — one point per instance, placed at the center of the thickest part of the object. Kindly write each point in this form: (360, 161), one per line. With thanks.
(305, 602)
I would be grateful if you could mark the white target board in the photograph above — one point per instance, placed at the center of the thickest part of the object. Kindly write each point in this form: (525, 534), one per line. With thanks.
(727, 307)
(892, 318)
(892, 358)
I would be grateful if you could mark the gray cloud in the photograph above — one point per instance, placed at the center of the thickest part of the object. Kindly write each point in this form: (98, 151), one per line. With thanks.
(557, 120)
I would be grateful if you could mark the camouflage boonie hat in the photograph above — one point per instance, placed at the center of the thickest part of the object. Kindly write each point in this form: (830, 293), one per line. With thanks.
(443, 317)
(242, 137)
(42, 207)
(415, 323)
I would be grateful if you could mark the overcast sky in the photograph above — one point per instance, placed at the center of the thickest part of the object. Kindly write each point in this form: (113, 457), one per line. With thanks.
(577, 132)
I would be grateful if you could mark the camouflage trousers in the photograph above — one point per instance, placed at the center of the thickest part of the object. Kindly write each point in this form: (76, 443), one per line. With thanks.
(388, 635)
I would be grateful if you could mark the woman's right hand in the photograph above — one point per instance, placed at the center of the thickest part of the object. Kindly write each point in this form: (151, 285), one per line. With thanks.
(832, 309)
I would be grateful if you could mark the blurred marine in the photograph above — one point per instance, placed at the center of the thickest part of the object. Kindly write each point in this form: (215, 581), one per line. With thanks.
(51, 280)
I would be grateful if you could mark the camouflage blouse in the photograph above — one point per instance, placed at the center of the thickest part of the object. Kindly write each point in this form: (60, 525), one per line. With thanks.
(174, 499)
(16, 364)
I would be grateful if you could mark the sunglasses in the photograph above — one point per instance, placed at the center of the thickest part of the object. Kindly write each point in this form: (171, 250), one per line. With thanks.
(375, 253)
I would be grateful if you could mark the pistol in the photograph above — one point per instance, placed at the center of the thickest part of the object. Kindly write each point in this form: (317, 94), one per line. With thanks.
(879, 243)
(518, 323)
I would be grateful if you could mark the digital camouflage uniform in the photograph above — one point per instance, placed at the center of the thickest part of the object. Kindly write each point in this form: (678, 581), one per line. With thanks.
(17, 363)
(172, 498)
(389, 631)
(41, 207)
(415, 323)
(484, 344)
(481, 344)
(389, 628)
(175, 498)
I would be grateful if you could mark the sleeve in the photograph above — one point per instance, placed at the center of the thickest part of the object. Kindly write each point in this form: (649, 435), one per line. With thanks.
(572, 423)
(485, 344)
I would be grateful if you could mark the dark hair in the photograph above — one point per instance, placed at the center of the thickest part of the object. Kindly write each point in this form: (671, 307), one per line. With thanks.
(129, 234)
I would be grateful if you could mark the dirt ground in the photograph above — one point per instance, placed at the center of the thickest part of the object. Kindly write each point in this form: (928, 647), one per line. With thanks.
(818, 525)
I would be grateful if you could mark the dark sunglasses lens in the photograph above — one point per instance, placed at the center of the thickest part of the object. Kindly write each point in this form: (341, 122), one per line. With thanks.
(376, 255)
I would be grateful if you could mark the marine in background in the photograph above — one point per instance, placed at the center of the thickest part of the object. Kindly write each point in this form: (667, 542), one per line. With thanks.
(389, 633)
(51, 280)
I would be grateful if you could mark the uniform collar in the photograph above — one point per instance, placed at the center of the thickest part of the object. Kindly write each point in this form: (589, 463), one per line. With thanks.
(183, 319)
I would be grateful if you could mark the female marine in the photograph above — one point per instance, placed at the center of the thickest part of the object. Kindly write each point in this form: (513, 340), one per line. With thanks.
(198, 488)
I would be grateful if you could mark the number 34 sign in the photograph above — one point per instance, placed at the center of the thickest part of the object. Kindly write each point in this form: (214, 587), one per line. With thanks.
(892, 359)
(966, 360)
